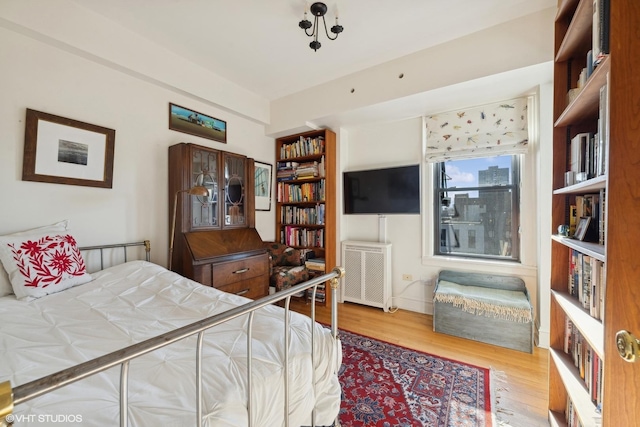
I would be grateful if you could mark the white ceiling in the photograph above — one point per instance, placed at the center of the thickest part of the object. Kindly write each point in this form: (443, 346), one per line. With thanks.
(258, 45)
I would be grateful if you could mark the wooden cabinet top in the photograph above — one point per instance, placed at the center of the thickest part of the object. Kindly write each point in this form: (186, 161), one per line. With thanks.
(223, 245)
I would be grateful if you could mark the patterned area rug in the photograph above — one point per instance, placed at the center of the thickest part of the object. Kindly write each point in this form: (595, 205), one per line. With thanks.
(386, 385)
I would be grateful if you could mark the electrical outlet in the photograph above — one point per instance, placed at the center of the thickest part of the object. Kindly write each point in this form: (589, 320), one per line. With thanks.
(407, 277)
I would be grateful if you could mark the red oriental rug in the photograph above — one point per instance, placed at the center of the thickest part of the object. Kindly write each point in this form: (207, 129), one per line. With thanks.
(386, 385)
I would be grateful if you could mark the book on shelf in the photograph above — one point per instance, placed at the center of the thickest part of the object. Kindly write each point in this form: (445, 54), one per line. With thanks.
(573, 219)
(304, 146)
(579, 145)
(603, 130)
(586, 282)
(603, 212)
(600, 30)
(316, 264)
(588, 364)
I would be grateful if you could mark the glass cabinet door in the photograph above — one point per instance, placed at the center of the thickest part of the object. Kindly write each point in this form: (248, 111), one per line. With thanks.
(204, 170)
(234, 183)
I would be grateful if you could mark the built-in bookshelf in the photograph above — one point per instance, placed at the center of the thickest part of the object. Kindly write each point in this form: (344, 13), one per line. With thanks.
(596, 148)
(306, 196)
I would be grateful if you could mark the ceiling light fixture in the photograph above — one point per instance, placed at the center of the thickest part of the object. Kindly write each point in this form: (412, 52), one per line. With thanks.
(318, 10)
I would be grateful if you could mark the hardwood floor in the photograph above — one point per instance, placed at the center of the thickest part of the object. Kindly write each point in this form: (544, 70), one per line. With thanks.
(523, 402)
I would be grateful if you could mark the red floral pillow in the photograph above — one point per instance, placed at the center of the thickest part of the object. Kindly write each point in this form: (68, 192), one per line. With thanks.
(42, 264)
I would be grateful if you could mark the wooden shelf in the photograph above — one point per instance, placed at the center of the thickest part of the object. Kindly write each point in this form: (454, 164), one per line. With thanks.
(578, 36)
(585, 105)
(588, 186)
(328, 250)
(576, 390)
(556, 419)
(565, 8)
(591, 329)
(618, 70)
(588, 248)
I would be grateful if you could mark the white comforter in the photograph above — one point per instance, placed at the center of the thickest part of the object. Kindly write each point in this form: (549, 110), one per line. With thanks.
(126, 304)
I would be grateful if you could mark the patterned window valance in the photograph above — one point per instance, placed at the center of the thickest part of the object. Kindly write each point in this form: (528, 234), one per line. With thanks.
(489, 130)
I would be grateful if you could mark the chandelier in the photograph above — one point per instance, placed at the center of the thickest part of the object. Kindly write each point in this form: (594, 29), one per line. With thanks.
(318, 10)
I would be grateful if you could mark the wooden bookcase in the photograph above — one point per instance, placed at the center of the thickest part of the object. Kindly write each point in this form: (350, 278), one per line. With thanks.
(306, 204)
(619, 184)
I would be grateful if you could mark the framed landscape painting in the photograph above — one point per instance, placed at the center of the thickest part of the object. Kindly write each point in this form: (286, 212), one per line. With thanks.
(66, 151)
(185, 120)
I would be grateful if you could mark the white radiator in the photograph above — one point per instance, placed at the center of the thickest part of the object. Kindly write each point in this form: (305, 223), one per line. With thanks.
(368, 273)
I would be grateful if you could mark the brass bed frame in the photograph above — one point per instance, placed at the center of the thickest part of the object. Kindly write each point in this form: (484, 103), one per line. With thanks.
(13, 396)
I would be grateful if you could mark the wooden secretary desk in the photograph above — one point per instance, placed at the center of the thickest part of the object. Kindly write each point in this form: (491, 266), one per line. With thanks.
(215, 241)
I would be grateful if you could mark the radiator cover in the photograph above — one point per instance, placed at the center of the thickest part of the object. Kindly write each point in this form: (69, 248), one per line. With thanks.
(368, 273)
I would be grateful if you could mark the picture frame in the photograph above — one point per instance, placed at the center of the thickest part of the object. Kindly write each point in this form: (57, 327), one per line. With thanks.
(263, 176)
(60, 150)
(582, 227)
(186, 120)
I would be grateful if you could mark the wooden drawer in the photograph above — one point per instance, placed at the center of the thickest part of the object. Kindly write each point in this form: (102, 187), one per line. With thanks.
(226, 273)
(253, 288)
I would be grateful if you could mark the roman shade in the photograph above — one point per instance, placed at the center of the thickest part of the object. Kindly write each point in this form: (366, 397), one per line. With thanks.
(488, 130)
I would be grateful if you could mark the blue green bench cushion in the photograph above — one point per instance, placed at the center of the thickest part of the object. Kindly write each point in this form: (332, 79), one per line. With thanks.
(489, 308)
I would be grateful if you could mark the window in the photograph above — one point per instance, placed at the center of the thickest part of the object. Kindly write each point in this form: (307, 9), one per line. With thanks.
(477, 207)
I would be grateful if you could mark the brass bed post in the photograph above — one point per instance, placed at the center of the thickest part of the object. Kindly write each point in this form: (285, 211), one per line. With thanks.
(334, 300)
(6, 399)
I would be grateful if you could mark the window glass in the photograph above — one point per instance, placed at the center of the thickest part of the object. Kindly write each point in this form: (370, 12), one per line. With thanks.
(477, 207)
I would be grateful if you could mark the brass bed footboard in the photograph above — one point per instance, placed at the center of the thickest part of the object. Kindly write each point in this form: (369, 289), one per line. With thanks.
(11, 397)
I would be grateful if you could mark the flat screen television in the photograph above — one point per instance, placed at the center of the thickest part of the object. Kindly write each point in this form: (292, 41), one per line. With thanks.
(384, 191)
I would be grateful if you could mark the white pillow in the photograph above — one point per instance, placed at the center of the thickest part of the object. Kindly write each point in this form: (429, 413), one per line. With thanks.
(42, 261)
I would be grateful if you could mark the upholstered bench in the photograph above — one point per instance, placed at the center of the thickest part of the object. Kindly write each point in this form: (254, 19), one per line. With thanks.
(484, 307)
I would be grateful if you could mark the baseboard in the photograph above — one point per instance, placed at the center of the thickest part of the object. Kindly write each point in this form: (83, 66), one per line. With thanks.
(424, 307)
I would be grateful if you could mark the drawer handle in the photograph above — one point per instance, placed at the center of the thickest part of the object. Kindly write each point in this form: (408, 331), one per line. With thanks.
(242, 292)
(242, 270)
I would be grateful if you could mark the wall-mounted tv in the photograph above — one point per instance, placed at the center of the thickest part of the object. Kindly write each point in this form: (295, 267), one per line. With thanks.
(384, 191)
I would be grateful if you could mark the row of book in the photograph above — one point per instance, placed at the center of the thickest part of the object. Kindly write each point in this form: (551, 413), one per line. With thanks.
(590, 366)
(299, 215)
(588, 150)
(592, 206)
(316, 266)
(307, 192)
(293, 170)
(588, 159)
(587, 282)
(302, 147)
(572, 418)
(300, 236)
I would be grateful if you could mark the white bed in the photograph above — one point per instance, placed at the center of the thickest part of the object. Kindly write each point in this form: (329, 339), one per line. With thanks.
(129, 303)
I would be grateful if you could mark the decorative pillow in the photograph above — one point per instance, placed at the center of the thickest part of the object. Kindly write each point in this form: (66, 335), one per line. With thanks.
(42, 261)
(5, 283)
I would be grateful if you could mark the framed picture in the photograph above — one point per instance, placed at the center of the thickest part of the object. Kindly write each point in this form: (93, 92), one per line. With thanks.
(581, 228)
(262, 182)
(66, 151)
(192, 122)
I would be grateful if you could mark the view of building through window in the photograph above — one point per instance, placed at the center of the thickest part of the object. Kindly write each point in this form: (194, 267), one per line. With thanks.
(477, 207)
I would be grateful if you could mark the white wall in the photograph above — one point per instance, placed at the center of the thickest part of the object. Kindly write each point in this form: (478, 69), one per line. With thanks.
(400, 142)
(41, 77)
(384, 145)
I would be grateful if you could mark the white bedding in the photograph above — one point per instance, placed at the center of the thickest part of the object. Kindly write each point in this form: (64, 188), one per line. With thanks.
(126, 304)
